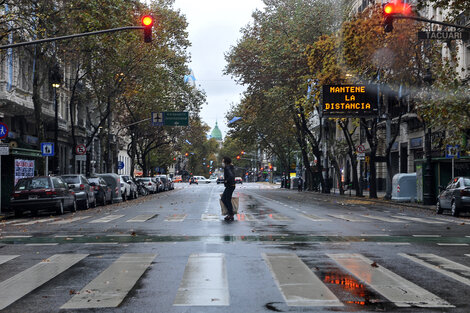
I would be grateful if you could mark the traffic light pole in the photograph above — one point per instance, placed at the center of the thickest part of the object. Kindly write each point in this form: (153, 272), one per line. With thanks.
(422, 19)
(112, 30)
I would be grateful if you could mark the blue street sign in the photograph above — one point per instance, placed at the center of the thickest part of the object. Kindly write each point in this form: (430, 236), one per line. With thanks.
(3, 130)
(120, 165)
(158, 119)
(47, 149)
(453, 151)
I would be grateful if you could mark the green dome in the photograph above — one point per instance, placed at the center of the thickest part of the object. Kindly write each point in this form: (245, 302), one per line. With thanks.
(216, 133)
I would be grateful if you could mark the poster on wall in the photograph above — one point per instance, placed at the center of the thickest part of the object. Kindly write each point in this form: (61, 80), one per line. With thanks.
(23, 168)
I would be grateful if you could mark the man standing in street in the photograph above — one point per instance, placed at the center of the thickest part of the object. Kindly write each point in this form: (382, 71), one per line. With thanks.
(300, 184)
(229, 182)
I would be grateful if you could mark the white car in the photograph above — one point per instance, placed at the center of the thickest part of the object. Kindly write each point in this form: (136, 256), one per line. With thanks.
(149, 184)
(202, 180)
(125, 188)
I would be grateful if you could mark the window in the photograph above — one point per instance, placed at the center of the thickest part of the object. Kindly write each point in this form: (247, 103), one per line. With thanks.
(466, 182)
(57, 182)
(71, 179)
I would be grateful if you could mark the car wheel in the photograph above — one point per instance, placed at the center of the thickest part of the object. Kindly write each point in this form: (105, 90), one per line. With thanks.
(93, 205)
(74, 206)
(103, 203)
(60, 209)
(136, 194)
(124, 196)
(86, 205)
(439, 209)
(34, 212)
(454, 209)
(18, 213)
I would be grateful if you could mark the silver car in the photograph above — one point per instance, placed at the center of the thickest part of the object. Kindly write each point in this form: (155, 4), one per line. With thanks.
(455, 197)
(84, 193)
(149, 184)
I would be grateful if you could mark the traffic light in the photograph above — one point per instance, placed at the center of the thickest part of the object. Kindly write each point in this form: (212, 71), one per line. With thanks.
(392, 9)
(147, 23)
(243, 152)
(186, 154)
(238, 157)
(174, 159)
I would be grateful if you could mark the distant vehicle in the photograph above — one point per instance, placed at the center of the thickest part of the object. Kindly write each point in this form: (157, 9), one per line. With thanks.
(238, 180)
(114, 182)
(84, 193)
(130, 187)
(177, 179)
(102, 191)
(455, 197)
(160, 184)
(42, 193)
(193, 180)
(202, 179)
(171, 183)
(166, 183)
(220, 180)
(150, 184)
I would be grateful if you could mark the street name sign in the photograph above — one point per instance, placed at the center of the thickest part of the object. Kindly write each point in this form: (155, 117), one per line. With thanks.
(349, 100)
(80, 157)
(3, 130)
(47, 149)
(4, 149)
(176, 118)
(444, 35)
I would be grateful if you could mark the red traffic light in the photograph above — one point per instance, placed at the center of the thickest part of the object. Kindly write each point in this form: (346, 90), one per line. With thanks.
(186, 154)
(397, 7)
(238, 157)
(147, 21)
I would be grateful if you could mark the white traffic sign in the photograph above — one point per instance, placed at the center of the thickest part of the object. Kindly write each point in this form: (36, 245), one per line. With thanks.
(4, 149)
(80, 157)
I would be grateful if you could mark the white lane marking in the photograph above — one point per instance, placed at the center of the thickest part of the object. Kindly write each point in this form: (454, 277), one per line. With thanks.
(113, 284)
(4, 222)
(452, 244)
(204, 281)
(375, 235)
(298, 285)
(175, 218)
(43, 244)
(398, 290)
(119, 235)
(279, 217)
(245, 217)
(100, 243)
(418, 219)
(314, 217)
(43, 220)
(106, 219)
(210, 217)
(467, 255)
(384, 218)
(349, 218)
(67, 236)
(394, 243)
(457, 221)
(23, 283)
(17, 236)
(68, 221)
(442, 266)
(141, 218)
(427, 236)
(6, 258)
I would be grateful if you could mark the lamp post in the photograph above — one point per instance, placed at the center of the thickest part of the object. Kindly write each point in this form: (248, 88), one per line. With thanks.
(428, 190)
(55, 80)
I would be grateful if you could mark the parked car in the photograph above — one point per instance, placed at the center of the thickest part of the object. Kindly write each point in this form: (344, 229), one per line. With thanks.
(128, 188)
(102, 190)
(220, 180)
(150, 184)
(166, 183)
(84, 193)
(455, 197)
(238, 180)
(42, 193)
(114, 182)
(193, 180)
(142, 188)
(159, 182)
(177, 179)
(171, 183)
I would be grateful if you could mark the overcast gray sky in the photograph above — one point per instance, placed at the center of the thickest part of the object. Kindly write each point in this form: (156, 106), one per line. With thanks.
(214, 26)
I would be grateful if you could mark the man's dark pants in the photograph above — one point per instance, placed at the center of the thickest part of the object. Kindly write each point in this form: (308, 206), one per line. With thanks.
(227, 199)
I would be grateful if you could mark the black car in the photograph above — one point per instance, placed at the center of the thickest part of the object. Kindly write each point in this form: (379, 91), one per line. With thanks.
(220, 180)
(102, 191)
(42, 193)
(455, 197)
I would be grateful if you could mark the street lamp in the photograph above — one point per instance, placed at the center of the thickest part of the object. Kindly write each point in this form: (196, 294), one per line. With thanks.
(55, 80)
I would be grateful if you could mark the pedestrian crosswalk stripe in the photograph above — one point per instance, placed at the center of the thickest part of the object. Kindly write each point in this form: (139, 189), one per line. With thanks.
(279, 217)
(141, 218)
(298, 284)
(6, 258)
(246, 217)
(349, 218)
(109, 288)
(418, 219)
(314, 218)
(106, 219)
(17, 236)
(384, 219)
(452, 244)
(42, 220)
(210, 217)
(441, 265)
(175, 218)
(427, 236)
(23, 283)
(398, 290)
(70, 220)
(204, 282)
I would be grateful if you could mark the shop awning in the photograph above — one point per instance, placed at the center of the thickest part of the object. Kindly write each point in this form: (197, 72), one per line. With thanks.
(26, 152)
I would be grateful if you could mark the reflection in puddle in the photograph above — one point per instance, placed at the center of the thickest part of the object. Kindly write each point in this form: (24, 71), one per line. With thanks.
(351, 285)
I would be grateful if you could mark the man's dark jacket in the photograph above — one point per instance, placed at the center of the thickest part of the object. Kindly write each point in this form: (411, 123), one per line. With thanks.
(229, 176)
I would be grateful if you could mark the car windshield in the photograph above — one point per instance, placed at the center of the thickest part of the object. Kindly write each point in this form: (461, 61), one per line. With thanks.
(466, 182)
(71, 179)
(94, 180)
(35, 183)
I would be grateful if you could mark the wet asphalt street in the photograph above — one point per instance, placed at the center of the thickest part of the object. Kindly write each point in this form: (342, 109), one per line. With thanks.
(285, 252)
